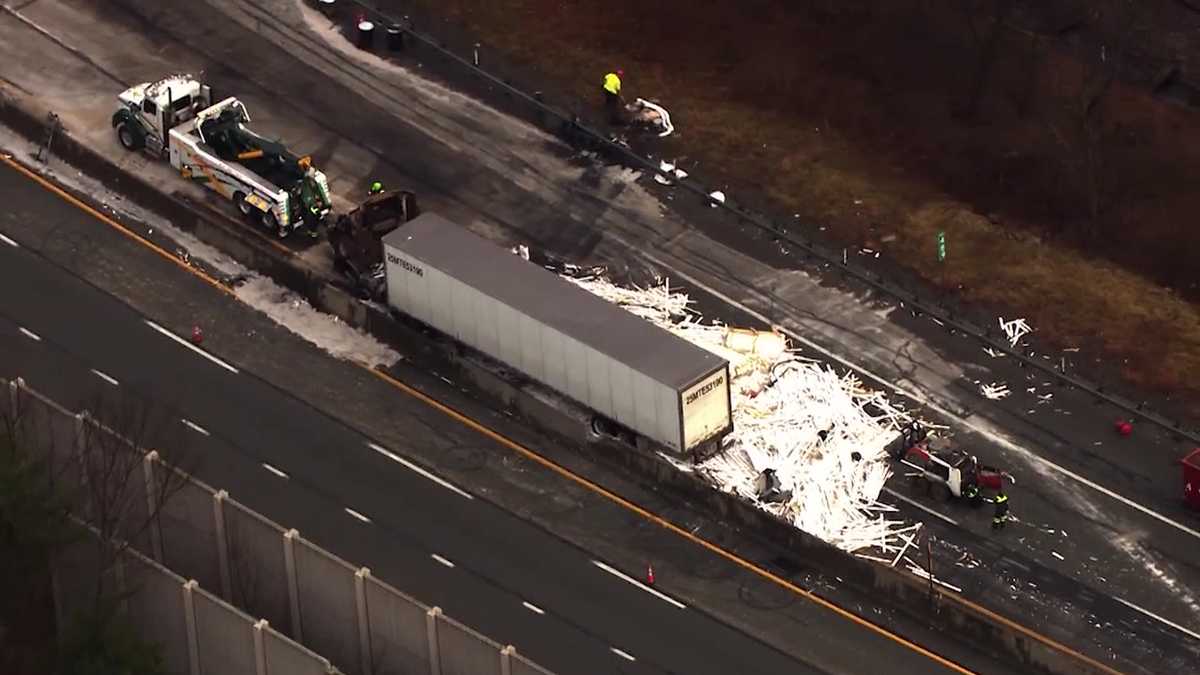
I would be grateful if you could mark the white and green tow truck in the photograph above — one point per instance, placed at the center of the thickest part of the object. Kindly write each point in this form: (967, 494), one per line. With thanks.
(208, 142)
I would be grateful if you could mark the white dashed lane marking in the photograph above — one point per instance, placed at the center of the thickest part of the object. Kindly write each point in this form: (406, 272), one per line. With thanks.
(628, 579)
(106, 377)
(273, 470)
(192, 347)
(357, 515)
(435, 478)
(195, 427)
(622, 654)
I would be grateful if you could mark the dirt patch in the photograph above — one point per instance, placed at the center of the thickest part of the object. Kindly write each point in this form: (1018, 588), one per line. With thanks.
(1066, 193)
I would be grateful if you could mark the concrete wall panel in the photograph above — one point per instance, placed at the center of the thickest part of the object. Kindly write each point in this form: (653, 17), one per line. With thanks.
(156, 606)
(328, 612)
(465, 652)
(258, 577)
(399, 636)
(189, 534)
(285, 657)
(225, 637)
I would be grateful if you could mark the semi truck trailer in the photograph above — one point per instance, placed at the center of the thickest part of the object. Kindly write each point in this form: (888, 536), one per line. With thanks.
(623, 368)
(176, 119)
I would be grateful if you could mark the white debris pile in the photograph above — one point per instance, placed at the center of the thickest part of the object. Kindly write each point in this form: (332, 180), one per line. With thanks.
(820, 434)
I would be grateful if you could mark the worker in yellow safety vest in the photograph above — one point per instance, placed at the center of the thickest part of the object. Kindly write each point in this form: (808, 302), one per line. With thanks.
(612, 95)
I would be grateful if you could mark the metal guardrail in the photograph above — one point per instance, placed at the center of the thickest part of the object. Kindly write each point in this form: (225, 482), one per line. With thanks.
(577, 131)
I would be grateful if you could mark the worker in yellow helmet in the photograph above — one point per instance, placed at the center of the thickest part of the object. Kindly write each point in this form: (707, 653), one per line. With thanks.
(612, 96)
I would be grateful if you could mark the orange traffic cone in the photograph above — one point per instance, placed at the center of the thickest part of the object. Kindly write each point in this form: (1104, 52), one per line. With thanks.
(197, 335)
(650, 574)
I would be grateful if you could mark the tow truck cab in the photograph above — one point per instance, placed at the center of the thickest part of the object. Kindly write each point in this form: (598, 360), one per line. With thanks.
(151, 109)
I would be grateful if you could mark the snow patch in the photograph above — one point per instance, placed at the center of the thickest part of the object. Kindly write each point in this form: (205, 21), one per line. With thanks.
(261, 293)
(1134, 550)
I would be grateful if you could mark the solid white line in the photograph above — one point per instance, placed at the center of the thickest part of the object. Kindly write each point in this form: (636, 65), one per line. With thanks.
(356, 514)
(442, 560)
(106, 377)
(995, 438)
(273, 470)
(437, 479)
(624, 577)
(29, 334)
(1152, 615)
(624, 655)
(919, 505)
(196, 427)
(191, 346)
(533, 608)
(10, 242)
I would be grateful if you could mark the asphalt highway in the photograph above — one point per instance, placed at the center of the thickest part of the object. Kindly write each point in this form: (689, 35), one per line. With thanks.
(479, 168)
(273, 452)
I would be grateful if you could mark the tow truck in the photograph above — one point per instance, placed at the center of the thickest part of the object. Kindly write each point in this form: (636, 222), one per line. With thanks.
(176, 119)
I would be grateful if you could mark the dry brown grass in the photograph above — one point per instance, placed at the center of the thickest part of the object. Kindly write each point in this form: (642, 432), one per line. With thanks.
(812, 143)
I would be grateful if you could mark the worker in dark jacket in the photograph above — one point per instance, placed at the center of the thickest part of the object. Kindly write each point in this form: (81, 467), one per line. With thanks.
(612, 96)
(1001, 515)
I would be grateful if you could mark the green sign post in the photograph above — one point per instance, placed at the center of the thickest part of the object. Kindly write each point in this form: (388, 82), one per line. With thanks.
(941, 243)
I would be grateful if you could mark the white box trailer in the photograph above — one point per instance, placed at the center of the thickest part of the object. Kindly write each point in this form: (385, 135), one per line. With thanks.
(619, 365)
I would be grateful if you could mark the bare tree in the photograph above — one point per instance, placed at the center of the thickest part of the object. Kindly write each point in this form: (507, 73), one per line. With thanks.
(986, 41)
(124, 484)
(1082, 129)
(245, 588)
(102, 473)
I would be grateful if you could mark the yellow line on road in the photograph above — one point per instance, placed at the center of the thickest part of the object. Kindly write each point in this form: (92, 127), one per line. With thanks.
(596, 488)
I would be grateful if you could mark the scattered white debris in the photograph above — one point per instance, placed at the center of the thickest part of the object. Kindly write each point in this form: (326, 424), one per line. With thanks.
(993, 353)
(1015, 330)
(994, 391)
(822, 433)
(1057, 555)
(664, 117)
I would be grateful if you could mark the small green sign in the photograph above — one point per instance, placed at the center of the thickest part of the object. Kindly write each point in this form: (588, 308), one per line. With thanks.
(941, 242)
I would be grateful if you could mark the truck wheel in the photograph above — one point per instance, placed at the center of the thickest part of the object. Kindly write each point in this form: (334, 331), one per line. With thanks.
(132, 138)
(269, 222)
(239, 200)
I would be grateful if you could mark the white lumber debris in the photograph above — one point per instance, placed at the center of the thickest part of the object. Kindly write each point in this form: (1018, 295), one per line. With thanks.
(810, 424)
(994, 391)
(1015, 330)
